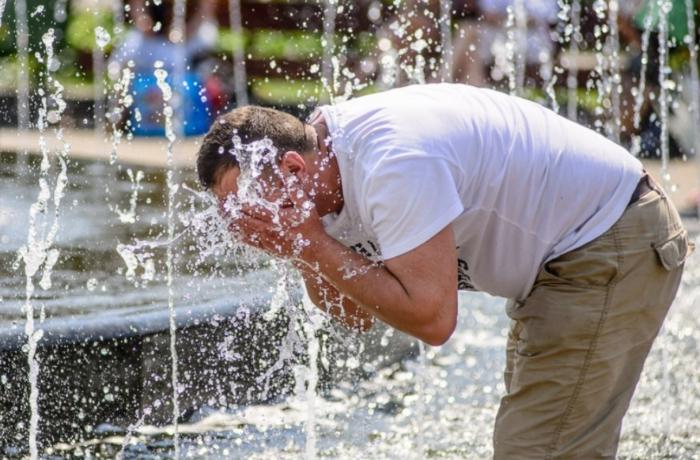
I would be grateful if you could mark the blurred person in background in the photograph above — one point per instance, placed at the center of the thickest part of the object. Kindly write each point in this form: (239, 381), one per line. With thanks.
(153, 40)
(480, 40)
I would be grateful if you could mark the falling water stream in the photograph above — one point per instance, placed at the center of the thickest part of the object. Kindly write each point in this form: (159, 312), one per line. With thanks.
(640, 91)
(161, 76)
(330, 13)
(38, 253)
(694, 84)
(102, 39)
(239, 70)
(22, 38)
(2, 9)
(664, 7)
(613, 50)
(447, 53)
(573, 37)
(520, 62)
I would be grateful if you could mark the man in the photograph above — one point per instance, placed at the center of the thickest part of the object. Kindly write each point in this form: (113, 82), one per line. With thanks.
(392, 202)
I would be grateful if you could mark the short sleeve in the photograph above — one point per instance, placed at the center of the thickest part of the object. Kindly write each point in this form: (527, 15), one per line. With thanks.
(408, 200)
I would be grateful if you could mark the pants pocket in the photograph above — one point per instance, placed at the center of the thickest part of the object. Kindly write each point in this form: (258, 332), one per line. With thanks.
(674, 251)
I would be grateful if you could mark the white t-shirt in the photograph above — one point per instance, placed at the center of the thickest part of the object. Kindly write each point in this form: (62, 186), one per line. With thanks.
(520, 184)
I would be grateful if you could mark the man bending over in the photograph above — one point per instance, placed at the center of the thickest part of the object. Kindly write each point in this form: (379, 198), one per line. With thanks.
(391, 203)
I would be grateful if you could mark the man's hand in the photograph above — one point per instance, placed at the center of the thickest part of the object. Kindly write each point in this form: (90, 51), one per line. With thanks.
(286, 234)
(415, 292)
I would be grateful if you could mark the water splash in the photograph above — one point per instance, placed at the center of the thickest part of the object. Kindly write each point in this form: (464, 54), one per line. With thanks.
(328, 74)
(615, 79)
(573, 37)
(129, 216)
(102, 40)
(308, 378)
(694, 72)
(447, 54)
(640, 90)
(240, 80)
(520, 62)
(161, 76)
(600, 8)
(514, 52)
(2, 9)
(420, 408)
(41, 233)
(102, 37)
(124, 101)
(664, 7)
(22, 39)
(60, 10)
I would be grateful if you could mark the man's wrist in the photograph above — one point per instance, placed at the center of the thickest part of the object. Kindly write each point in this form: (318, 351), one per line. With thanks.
(313, 247)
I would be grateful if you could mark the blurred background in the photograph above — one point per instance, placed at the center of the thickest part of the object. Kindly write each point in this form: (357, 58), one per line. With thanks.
(296, 54)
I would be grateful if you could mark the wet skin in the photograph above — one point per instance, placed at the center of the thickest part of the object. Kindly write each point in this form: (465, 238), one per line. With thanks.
(415, 292)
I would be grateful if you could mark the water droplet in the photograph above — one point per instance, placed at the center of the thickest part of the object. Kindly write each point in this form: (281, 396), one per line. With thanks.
(91, 284)
(53, 117)
(102, 37)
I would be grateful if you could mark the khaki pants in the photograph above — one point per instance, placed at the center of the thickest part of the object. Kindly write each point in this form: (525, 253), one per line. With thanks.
(579, 340)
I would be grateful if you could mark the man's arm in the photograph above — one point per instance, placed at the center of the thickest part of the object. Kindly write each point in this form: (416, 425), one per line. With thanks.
(327, 298)
(415, 292)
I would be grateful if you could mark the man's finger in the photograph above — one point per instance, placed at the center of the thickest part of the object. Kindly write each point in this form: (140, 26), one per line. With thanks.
(257, 212)
(249, 224)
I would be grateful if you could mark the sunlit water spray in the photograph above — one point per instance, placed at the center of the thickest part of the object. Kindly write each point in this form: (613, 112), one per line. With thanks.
(639, 92)
(447, 54)
(520, 60)
(22, 41)
(102, 40)
(515, 51)
(694, 85)
(664, 7)
(240, 79)
(38, 253)
(2, 9)
(161, 76)
(330, 13)
(124, 101)
(573, 37)
(614, 85)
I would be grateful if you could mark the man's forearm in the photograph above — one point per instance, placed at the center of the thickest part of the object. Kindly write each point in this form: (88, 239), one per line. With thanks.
(374, 288)
(327, 298)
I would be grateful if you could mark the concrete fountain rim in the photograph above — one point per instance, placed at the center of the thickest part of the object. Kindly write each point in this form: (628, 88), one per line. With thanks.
(93, 327)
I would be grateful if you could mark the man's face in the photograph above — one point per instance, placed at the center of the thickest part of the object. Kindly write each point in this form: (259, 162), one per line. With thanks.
(271, 188)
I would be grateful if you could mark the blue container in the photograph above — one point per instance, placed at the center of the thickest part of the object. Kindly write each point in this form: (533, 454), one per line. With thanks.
(148, 100)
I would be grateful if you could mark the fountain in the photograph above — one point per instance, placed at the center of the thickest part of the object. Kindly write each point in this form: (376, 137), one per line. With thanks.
(136, 327)
(573, 37)
(22, 66)
(239, 72)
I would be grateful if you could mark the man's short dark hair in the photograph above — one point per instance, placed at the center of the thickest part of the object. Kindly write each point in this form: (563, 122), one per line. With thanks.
(250, 124)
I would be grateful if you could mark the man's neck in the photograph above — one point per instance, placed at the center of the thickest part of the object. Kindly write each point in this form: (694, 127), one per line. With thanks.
(328, 183)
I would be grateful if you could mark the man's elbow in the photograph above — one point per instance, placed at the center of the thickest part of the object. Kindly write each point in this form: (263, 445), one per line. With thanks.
(440, 329)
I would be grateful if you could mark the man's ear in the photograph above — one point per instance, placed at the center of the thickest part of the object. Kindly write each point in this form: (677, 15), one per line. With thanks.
(292, 163)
